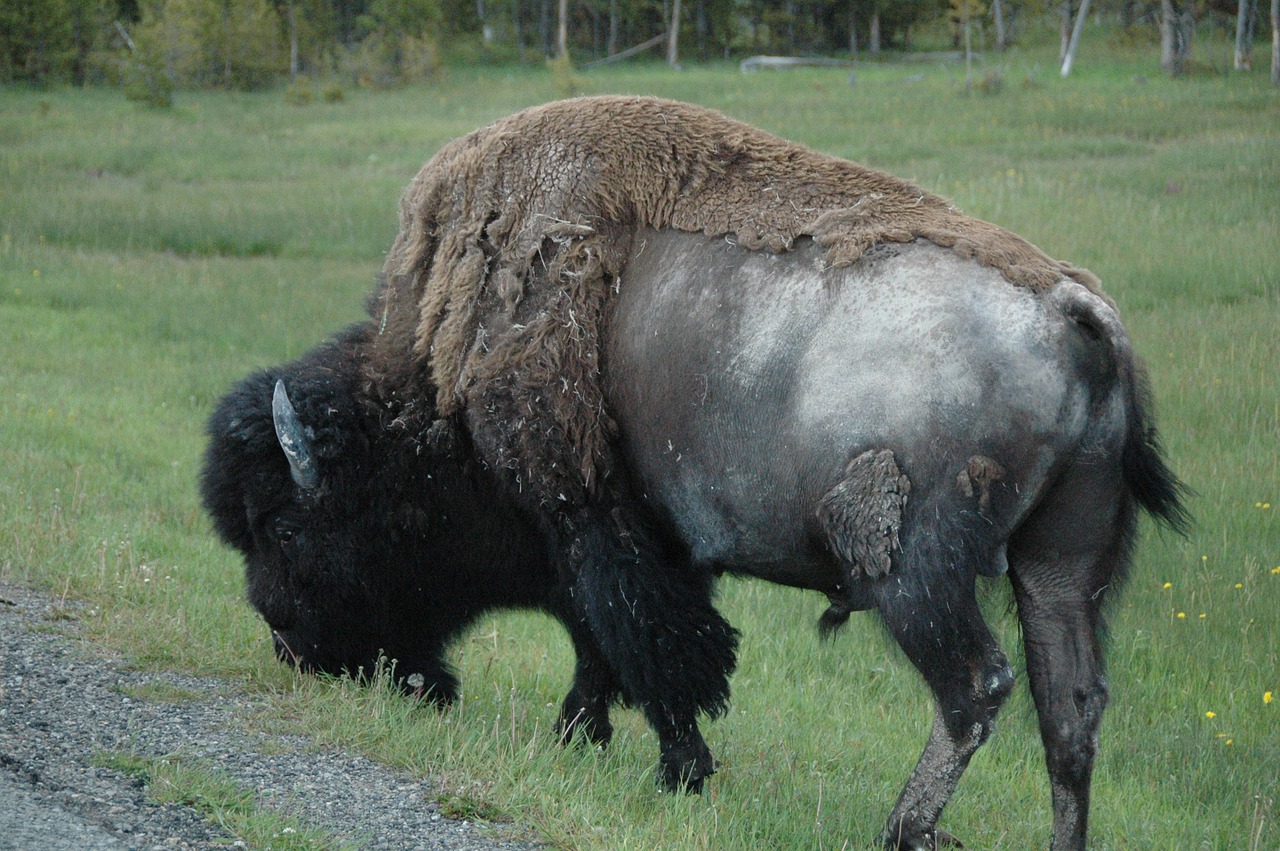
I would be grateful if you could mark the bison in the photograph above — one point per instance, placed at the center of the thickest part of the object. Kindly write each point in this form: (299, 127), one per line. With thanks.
(881, 426)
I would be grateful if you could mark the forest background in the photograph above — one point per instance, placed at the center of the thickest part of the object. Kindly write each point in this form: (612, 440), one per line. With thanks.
(152, 46)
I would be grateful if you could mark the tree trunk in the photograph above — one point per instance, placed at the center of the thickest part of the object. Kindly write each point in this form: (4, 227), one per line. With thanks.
(612, 46)
(226, 43)
(702, 26)
(562, 32)
(1243, 43)
(1075, 37)
(1186, 36)
(1064, 30)
(873, 38)
(998, 13)
(544, 25)
(673, 35)
(1168, 36)
(1275, 42)
(293, 40)
(968, 53)
(853, 32)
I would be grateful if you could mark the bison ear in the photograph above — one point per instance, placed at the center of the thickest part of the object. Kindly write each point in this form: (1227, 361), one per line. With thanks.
(293, 440)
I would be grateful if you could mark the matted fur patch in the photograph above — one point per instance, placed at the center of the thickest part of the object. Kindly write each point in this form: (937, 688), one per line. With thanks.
(513, 238)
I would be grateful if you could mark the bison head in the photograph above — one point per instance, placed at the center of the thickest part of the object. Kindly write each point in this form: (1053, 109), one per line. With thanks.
(365, 529)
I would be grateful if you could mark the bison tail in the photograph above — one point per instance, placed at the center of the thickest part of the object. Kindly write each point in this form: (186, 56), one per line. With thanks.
(1153, 485)
(1148, 477)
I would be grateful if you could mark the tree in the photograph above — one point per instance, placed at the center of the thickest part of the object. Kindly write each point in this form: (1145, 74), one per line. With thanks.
(1177, 30)
(37, 40)
(1244, 35)
(230, 43)
(562, 34)
(1075, 37)
(965, 11)
(312, 30)
(1275, 42)
(673, 35)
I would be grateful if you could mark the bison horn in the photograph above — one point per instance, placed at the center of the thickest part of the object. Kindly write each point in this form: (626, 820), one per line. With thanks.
(293, 440)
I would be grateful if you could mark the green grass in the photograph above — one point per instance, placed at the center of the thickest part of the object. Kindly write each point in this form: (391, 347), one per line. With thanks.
(149, 258)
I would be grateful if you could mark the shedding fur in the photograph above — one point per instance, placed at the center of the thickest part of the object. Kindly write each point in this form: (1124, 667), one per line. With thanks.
(513, 239)
(862, 514)
(977, 477)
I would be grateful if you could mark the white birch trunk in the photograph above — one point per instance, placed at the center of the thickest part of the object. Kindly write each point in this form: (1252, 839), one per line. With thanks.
(1168, 39)
(562, 33)
(1242, 62)
(1275, 42)
(673, 35)
(1075, 37)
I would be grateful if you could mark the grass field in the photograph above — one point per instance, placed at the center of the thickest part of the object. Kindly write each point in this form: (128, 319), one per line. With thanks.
(150, 258)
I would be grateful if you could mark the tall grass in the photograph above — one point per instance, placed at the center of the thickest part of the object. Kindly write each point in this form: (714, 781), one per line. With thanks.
(150, 258)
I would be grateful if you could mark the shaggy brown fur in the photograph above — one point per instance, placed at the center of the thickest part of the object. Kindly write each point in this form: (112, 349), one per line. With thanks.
(513, 238)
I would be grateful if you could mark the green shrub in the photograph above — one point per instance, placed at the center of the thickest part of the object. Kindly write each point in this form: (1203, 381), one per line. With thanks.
(146, 81)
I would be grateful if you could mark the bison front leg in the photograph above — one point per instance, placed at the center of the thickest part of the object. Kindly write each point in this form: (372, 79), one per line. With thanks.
(595, 688)
(650, 614)
(930, 607)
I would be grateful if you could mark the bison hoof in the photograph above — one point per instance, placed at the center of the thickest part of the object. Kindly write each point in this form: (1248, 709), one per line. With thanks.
(684, 769)
(930, 840)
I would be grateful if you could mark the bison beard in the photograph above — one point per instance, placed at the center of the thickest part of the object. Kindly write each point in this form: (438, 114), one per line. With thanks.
(509, 430)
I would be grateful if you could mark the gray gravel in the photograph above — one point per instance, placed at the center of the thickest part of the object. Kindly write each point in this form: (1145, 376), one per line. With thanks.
(63, 700)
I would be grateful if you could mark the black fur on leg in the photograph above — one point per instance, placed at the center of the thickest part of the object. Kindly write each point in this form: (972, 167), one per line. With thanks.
(595, 688)
(649, 611)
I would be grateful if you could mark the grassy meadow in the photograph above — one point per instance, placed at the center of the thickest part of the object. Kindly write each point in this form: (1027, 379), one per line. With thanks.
(148, 259)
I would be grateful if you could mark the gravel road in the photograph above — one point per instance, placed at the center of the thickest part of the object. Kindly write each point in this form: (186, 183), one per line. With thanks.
(63, 700)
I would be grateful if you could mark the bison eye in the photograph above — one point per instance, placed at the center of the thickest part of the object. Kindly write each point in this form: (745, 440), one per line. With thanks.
(285, 534)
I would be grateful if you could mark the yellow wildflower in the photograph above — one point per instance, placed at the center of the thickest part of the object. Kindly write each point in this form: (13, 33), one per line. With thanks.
(1182, 615)
(1266, 697)
(1202, 616)
(1239, 585)
(1228, 741)
(1211, 714)
(1168, 585)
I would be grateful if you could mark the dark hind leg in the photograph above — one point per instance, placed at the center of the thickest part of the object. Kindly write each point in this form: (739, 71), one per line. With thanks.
(1061, 564)
(650, 613)
(930, 608)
